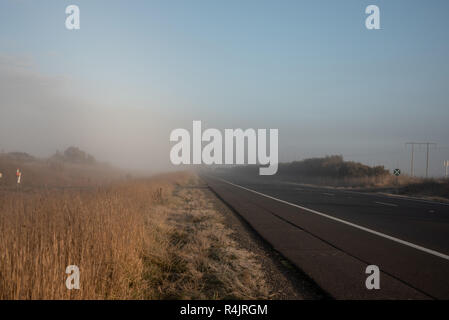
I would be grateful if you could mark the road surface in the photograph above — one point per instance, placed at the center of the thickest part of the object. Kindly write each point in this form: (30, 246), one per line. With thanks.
(333, 235)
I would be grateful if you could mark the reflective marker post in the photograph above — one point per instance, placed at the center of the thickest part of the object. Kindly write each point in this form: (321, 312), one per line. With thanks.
(19, 176)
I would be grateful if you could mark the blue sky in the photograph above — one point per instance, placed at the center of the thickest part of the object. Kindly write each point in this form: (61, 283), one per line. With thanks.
(309, 68)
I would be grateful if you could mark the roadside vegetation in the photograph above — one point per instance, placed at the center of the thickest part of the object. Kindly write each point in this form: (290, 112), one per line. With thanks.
(332, 167)
(329, 171)
(434, 189)
(73, 168)
(334, 171)
(154, 238)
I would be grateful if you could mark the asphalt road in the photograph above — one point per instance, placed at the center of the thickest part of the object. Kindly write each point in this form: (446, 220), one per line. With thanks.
(333, 235)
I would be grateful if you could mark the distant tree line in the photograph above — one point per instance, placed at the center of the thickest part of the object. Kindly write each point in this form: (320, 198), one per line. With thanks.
(71, 154)
(326, 167)
(74, 155)
(332, 167)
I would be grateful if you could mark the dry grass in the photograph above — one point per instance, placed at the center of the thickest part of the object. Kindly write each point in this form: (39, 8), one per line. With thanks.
(200, 261)
(141, 239)
(43, 173)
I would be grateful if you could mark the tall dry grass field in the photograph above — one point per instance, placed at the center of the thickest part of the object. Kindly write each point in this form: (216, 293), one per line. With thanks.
(156, 238)
(102, 231)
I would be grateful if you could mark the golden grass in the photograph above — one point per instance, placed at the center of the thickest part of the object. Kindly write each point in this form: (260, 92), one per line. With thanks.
(45, 173)
(201, 261)
(141, 239)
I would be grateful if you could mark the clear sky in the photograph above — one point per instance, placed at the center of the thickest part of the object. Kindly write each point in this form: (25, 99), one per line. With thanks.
(138, 69)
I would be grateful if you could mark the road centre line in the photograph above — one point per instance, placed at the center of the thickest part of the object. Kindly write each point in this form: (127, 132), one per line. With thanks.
(380, 234)
(387, 204)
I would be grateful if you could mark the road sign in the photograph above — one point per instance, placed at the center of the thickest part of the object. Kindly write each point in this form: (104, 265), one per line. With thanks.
(397, 172)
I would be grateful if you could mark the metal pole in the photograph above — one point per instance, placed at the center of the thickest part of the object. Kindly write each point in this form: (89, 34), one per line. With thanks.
(427, 155)
(446, 165)
(427, 160)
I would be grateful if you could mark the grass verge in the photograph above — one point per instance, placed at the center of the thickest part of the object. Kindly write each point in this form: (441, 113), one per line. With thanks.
(157, 238)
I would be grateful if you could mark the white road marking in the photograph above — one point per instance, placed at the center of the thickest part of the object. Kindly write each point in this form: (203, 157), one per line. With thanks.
(387, 204)
(377, 194)
(403, 242)
(328, 194)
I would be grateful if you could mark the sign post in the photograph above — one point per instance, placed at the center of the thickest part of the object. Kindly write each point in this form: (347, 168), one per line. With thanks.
(397, 173)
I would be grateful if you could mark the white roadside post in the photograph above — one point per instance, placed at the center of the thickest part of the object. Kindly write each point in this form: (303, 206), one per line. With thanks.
(19, 176)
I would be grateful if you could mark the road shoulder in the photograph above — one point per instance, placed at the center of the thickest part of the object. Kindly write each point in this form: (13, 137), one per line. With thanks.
(286, 282)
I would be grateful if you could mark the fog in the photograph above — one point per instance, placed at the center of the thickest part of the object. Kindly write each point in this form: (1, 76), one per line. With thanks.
(41, 114)
(120, 84)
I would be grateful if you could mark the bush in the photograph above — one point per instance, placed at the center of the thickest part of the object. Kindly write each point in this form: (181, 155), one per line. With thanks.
(73, 155)
(332, 167)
